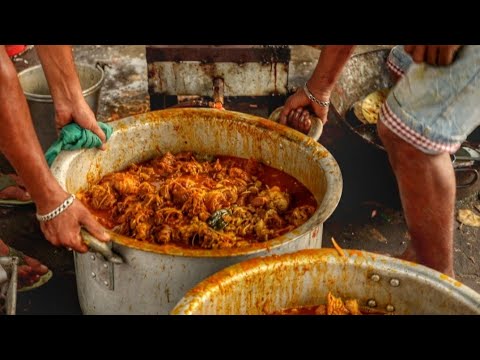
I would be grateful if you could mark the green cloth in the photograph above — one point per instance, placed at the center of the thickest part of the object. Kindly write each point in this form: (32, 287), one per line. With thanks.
(74, 137)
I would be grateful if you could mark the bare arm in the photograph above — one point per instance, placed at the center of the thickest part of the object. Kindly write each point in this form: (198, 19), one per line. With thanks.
(329, 67)
(21, 147)
(70, 105)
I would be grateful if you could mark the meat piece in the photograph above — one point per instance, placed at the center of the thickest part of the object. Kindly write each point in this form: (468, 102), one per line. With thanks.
(335, 306)
(259, 201)
(125, 183)
(215, 200)
(261, 230)
(352, 306)
(272, 219)
(278, 200)
(146, 188)
(165, 165)
(237, 173)
(103, 197)
(142, 230)
(180, 194)
(217, 167)
(300, 214)
(164, 234)
(169, 215)
(184, 156)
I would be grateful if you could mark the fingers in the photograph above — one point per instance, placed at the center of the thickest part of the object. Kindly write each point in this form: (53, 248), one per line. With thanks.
(432, 55)
(36, 265)
(94, 228)
(99, 132)
(81, 114)
(418, 54)
(16, 193)
(78, 244)
(441, 55)
(409, 48)
(305, 122)
(447, 54)
(293, 103)
(300, 120)
(322, 113)
(23, 271)
(64, 230)
(294, 116)
(26, 275)
(284, 114)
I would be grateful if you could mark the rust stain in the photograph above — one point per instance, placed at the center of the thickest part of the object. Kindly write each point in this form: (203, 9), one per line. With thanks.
(272, 271)
(450, 280)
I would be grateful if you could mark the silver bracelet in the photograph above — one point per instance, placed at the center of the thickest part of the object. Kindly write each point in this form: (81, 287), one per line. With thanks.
(313, 98)
(53, 214)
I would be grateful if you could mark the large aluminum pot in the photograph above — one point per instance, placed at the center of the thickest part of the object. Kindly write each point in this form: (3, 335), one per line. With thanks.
(273, 283)
(154, 278)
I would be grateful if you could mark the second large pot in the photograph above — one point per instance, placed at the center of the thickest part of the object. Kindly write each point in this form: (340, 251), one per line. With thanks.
(305, 278)
(154, 277)
(40, 101)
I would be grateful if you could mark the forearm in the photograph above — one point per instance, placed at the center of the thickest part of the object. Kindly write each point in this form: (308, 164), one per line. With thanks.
(329, 67)
(19, 143)
(59, 67)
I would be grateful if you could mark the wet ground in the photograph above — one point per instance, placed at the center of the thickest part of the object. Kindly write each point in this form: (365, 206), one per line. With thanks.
(368, 216)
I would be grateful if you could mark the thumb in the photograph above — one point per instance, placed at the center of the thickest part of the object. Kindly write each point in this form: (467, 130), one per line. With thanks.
(97, 130)
(283, 115)
(289, 106)
(94, 228)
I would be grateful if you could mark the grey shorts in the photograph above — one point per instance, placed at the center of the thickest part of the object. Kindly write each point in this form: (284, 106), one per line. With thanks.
(434, 108)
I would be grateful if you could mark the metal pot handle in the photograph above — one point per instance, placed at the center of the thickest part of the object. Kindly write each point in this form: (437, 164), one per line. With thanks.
(11, 291)
(317, 125)
(473, 181)
(100, 247)
(316, 129)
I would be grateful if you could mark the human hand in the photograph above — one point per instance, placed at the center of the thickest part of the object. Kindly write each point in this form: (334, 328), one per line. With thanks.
(441, 55)
(64, 230)
(296, 115)
(78, 111)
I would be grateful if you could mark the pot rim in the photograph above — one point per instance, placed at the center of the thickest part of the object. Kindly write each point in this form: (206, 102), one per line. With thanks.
(48, 98)
(329, 202)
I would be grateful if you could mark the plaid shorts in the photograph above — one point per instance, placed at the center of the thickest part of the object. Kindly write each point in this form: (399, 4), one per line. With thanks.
(434, 108)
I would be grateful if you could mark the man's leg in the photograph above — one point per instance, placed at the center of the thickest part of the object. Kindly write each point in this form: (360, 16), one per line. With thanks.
(427, 115)
(427, 190)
